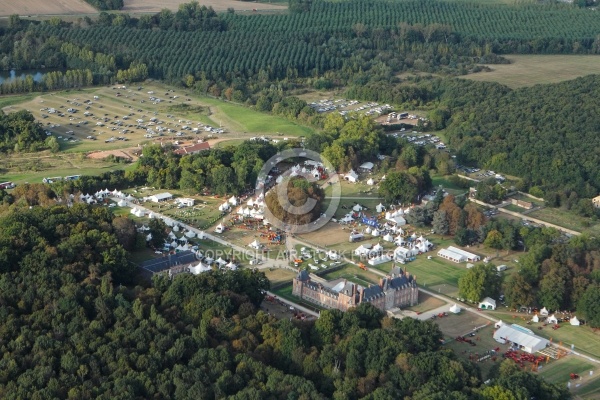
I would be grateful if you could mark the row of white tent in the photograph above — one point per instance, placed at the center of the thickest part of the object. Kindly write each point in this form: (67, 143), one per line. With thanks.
(205, 267)
(553, 320)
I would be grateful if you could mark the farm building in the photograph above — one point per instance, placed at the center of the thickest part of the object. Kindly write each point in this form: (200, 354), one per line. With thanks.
(487, 304)
(194, 149)
(157, 198)
(185, 201)
(397, 289)
(457, 255)
(524, 338)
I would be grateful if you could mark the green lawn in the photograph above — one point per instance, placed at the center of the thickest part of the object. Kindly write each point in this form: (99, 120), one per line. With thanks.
(440, 180)
(558, 371)
(353, 274)
(7, 100)
(590, 391)
(436, 271)
(243, 119)
(529, 70)
(566, 219)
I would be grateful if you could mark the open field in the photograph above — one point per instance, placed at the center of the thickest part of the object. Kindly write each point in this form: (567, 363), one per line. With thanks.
(55, 7)
(529, 70)
(438, 180)
(426, 303)
(278, 276)
(21, 168)
(112, 124)
(155, 6)
(78, 7)
(566, 219)
(353, 274)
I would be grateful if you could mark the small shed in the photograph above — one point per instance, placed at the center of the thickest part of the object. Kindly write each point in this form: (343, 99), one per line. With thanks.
(487, 304)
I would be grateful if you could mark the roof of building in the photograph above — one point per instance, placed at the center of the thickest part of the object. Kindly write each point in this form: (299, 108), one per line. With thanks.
(521, 336)
(193, 149)
(367, 165)
(303, 275)
(489, 300)
(162, 196)
(164, 263)
(462, 252)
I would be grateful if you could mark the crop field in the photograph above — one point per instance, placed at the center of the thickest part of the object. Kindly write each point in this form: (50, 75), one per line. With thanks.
(155, 6)
(37, 7)
(529, 70)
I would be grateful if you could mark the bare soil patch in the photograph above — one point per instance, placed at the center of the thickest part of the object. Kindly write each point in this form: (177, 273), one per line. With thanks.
(54, 7)
(127, 154)
(152, 6)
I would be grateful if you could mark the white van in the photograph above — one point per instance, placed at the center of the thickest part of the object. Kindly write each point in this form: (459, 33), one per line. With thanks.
(501, 268)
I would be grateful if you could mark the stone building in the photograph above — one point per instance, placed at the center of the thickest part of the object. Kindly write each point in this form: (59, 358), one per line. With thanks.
(397, 289)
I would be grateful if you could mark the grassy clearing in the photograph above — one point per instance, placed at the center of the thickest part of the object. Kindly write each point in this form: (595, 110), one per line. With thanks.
(353, 274)
(279, 276)
(529, 70)
(559, 370)
(14, 100)
(439, 180)
(590, 390)
(426, 303)
(566, 219)
(514, 208)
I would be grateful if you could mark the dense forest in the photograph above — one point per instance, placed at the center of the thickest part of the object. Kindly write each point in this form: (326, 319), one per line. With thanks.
(545, 134)
(72, 325)
(19, 131)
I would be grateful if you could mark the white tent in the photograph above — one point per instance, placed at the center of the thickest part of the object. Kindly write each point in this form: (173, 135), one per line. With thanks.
(173, 244)
(151, 215)
(552, 319)
(121, 203)
(231, 266)
(351, 176)
(357, 208)
(149, 237)
(362, 250)
(220, 228)
(201, 235)
(377, 248)
(233, 201)
(574, 321)
(172, 236)
(240, 211)
(498, 324)
(190, 234)
(176, 228)
(250, 203)
(198, 269)
(221, 262)
(380, 207)
(347, 219)
(544, 311)
(455, 309)
(130, 198)
(224, 207)
(535, 318)
(375, 232)
(399, 240)
(388, 238)
(255, 244)
(370, 182)
(379, 259)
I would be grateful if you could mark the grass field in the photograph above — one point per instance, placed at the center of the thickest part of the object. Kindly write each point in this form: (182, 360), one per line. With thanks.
(529, 70)
(240, 123)
(353, 274)
(566, 219)
(438, 180)
(278, 276)
(36, 7)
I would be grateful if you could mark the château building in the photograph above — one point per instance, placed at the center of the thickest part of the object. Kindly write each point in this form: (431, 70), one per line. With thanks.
(397, 289)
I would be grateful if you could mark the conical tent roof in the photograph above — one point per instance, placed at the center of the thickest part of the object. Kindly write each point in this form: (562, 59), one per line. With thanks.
(455, 309)
(574, 321)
